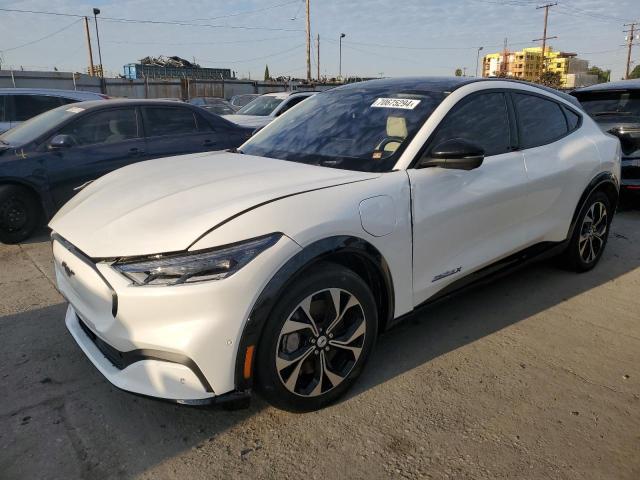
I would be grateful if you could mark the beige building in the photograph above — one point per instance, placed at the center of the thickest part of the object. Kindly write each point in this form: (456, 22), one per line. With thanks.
(526, 64)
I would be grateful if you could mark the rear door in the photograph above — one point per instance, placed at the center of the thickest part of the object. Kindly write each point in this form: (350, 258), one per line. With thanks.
(465, 220)
(559, 162)
(178, 130)
(104, 141)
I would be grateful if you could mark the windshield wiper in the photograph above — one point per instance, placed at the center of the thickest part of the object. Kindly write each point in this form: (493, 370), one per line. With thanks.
(3, 142)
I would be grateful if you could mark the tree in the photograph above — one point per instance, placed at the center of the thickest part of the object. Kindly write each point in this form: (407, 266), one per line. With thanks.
(458, 72)
(635, 73)
(266, 73)
(550, 79)
(603, 75)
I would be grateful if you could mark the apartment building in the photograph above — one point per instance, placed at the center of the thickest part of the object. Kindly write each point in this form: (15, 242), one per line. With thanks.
(526, 64)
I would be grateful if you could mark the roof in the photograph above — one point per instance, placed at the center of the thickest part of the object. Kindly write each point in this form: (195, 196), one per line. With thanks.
(50, 91)
(129, 101)
(427, 84)
(449, 84)
(633, 84)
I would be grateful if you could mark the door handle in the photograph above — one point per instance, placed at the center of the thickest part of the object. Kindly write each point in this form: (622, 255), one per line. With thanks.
(135, 151)
(208, 142)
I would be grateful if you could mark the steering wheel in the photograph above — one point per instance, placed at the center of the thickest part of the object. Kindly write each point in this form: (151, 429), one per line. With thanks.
(386, 141)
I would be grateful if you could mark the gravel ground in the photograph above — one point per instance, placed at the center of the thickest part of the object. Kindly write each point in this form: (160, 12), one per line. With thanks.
(534, 376)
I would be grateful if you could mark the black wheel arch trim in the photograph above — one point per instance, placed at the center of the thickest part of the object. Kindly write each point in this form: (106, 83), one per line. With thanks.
(322, 250)
(600, 180)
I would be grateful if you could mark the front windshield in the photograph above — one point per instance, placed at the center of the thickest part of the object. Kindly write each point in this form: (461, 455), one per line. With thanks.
(600, 104)
(358, 127)
(33, 128)
(261, 106)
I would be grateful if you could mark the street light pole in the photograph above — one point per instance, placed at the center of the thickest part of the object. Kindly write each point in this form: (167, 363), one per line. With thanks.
(342, 35)
(96, 12)
(478, 59)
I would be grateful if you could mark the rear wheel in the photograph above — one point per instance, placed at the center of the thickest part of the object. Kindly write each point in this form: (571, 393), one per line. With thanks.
(591, 233)
(19, 213)
(317, 340)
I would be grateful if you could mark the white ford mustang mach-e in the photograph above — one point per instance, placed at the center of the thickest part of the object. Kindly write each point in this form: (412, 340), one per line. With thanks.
(198, 278)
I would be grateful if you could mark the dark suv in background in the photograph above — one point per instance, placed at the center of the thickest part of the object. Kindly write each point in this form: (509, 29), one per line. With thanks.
(615, 106)
(49, 158)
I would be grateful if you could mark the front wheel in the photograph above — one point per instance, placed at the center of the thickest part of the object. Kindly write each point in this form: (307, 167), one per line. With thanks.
(590, 235)
(317, 339)
(19, 213)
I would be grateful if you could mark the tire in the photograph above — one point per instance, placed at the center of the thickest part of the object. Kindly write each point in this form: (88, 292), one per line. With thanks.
(19, 213)
(590, 235)
(304, 365)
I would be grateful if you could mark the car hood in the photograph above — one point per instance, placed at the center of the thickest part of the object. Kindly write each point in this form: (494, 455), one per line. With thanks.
(164, 205)
(250, 120)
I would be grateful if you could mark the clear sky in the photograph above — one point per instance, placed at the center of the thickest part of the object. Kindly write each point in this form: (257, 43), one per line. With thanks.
(383, 37)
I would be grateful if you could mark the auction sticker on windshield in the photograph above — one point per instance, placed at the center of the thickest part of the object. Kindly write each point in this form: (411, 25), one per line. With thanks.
(404, 103)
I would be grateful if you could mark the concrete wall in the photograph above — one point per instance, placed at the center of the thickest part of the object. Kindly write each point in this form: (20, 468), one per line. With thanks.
(149, 88)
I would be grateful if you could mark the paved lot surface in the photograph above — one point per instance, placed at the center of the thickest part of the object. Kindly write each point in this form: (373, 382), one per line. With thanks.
(535, 376)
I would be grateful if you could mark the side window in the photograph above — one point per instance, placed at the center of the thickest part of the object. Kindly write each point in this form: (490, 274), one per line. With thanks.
(108, 126)
(573, 119)
(160, 121)
(541, 121)
(482, 120)
(292, 103)
(203, 124)
(3, 109)
(27, 106)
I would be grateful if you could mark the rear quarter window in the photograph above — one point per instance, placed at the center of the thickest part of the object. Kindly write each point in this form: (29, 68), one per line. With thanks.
(540, 121)
(573, 119)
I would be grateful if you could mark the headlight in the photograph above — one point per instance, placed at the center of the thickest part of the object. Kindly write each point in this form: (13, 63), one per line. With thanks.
(196, 266)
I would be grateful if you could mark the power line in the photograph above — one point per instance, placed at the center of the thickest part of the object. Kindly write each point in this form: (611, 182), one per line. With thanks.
(255, 58)
(152, 22)
(402, 47)
(234, 42)
(42, 38)
(246, 12)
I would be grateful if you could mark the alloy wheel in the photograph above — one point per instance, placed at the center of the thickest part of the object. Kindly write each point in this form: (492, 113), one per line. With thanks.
(320, 342)
(593, 232)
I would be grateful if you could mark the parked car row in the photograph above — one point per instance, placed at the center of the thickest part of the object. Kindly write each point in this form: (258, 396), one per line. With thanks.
(275, 266)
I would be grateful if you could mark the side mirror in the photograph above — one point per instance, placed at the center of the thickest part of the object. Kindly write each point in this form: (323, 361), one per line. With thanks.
(61, 141)
(629, 138)
(455, 154)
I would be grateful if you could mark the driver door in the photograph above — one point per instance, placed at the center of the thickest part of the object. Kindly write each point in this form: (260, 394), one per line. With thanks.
(103, 141)
(465, 220)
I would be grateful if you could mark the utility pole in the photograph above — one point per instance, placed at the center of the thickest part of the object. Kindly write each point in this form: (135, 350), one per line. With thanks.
(318, 57)
(86, 29)
(630, 38)
(544, 34)
(308, 42)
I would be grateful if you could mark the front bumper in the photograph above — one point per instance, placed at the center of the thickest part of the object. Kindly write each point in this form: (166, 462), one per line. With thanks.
(172, 342)
(146, 375)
